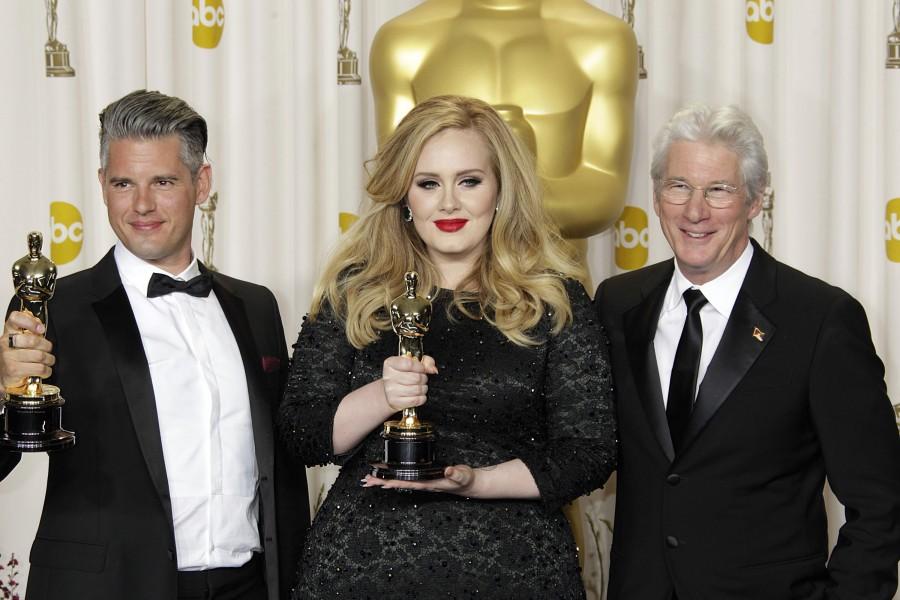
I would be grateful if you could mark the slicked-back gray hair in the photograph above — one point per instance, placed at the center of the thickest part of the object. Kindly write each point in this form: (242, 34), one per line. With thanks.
(144, 115)
(726, 125)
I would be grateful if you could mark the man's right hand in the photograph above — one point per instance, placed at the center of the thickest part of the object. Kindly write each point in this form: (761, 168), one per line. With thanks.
(24, 351)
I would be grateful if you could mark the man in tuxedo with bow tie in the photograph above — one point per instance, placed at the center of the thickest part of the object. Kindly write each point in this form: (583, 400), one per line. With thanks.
(176, 487)
(742, 384)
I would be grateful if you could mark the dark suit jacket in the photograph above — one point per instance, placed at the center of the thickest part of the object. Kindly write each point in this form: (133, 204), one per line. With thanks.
(106, 528)
(739, 513)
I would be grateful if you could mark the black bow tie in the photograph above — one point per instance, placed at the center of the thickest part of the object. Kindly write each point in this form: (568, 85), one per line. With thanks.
(160, 285)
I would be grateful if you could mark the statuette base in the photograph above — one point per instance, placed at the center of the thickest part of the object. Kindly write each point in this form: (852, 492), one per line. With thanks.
(348, 70)
(56, 61)
(33, 423)
(408, 453)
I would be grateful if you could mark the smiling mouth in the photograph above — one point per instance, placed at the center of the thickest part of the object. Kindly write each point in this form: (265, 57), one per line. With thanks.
(145, 226)
(451, 225)
(696, 236)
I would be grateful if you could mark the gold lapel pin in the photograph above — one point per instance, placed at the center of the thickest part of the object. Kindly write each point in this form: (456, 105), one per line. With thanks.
(759, 334)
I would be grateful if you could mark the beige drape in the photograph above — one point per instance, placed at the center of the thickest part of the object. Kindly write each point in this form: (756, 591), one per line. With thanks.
(287, 145)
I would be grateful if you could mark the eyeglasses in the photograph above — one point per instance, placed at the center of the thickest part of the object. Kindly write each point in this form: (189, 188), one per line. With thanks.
(717, 195)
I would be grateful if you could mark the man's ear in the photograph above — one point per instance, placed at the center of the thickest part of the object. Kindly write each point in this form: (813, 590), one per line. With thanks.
(755, 206)
(204, 183)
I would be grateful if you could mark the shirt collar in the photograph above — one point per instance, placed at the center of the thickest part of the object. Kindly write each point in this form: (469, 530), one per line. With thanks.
(721, 292)
(136, 272)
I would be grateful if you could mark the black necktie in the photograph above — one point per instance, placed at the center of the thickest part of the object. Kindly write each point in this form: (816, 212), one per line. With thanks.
(684, 369)
(160, 285)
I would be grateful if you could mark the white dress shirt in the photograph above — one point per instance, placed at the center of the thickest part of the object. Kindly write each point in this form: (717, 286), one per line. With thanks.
(721, 293)
(204, 419)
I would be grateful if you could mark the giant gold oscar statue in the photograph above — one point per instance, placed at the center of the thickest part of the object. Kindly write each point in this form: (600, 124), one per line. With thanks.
(561, 72)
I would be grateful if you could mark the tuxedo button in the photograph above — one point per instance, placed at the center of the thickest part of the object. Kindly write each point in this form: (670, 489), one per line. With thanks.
(171, 555)
(673, 479)
(672, 541)
(264, 478)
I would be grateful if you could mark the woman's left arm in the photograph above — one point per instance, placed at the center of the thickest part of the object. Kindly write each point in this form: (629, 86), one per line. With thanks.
(581, 451)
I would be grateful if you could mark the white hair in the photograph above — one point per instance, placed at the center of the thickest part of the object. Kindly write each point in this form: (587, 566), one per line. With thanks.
(726, 125)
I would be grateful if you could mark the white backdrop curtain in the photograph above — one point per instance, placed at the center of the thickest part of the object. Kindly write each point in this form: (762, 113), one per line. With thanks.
(288, 144)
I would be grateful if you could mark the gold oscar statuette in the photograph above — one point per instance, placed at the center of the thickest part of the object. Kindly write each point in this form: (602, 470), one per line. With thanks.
(893, 40)
(768, 213)
(628, 17)
(208, 227)
(409, 442)
(32, 411)
(347, 63)
(56, 55)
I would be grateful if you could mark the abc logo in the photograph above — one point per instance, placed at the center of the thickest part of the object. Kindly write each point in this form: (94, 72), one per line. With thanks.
(208, 17)
(632, 238)
(892, 230)
(66, 232)
(761, 20)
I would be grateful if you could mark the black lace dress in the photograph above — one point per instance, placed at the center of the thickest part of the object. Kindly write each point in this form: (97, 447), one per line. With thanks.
(550, 406)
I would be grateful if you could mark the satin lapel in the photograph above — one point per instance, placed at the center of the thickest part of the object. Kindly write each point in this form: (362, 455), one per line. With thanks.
(124, 338)
(746, 335)
(260, 409)
(640, 328)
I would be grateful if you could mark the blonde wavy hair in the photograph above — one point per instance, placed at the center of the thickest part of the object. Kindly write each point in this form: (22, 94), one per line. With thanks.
(519, 277)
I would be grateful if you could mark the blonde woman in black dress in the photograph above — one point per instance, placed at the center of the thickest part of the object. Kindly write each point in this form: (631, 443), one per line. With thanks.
(516, 377)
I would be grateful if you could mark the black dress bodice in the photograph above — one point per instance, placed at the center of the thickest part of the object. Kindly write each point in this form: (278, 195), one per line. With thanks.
(492, 401)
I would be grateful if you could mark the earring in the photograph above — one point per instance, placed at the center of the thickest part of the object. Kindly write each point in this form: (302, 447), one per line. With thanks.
(407, 214)
(497, 208)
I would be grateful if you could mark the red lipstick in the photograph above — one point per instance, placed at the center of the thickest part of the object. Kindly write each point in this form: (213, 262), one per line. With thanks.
(451, 225)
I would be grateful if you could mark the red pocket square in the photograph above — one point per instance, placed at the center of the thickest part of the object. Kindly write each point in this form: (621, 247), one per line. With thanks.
(271, 364)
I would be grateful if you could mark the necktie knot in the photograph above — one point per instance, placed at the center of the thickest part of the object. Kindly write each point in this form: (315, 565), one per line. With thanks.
(161, 284)
(694, 299)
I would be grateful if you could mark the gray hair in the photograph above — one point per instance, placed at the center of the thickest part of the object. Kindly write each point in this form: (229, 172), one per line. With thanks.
(726, 125)
(147, 115)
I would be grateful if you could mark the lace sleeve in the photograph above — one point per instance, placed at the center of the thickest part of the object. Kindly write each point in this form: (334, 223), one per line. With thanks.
(318, 380)
(581, 426)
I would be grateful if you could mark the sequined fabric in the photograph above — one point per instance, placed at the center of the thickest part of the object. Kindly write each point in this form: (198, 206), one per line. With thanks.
(493, 401)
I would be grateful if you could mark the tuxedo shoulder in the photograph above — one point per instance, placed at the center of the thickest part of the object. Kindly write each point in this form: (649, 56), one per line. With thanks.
(74, 284)
(630, 278)
(803, 289)
(74, 279)
(243, 288)
(623, 290)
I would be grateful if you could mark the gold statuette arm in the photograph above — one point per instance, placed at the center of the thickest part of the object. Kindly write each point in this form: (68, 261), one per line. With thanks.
(392, 80)
(589, 199)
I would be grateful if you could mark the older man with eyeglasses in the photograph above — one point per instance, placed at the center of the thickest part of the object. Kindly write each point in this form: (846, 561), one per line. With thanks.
(742, 384)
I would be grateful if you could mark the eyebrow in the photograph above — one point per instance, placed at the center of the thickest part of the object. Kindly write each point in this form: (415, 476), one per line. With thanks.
(716, 182)
(154, 178)
(459, 173)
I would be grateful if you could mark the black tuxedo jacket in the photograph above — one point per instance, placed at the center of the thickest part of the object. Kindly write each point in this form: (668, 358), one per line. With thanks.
(106, 527)
(739, 513)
